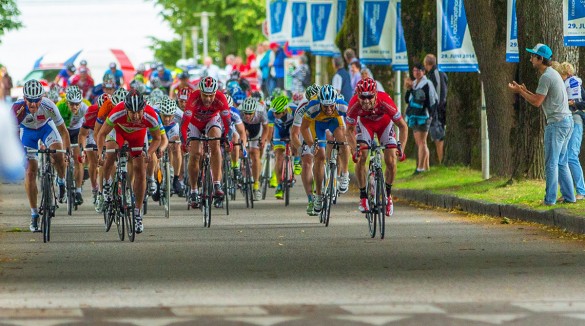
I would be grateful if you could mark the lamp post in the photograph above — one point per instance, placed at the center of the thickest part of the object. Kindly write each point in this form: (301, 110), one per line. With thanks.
(195, 38)
(205, 28)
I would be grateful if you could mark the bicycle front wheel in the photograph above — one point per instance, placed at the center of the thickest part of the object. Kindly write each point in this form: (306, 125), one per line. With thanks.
(47, 195)
(328, 200)
(381, 202)
(167, 192)
(370, 215)
(207, 198)
(287, 180)
(128, 204)
(70, 189)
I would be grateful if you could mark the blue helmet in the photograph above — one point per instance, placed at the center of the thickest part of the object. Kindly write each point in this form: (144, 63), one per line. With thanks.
(232, 84)
(327, 95)
(238, 96)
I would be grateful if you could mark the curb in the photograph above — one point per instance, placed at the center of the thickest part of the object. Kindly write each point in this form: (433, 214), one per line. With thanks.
(557, 217)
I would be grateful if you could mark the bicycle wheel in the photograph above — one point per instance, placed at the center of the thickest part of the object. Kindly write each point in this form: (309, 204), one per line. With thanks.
(265, 179)
(207, 198)
(286, 182)
(245, 183)
(370, 216)
(226, 178)
(117, 209)
(328, 200)
(46, 222)
(128, 210)
(381, 202)
(70, 189)
(249, 183)
(167, 190)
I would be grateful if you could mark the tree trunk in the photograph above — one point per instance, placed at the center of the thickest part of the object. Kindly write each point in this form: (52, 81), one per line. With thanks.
(487, 24)
(540, 22)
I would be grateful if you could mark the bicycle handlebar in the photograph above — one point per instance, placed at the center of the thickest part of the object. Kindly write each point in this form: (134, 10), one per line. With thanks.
(46, 151)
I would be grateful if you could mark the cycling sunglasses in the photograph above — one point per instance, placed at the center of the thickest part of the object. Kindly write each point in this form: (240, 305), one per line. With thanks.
(33, 100)
(366, 97)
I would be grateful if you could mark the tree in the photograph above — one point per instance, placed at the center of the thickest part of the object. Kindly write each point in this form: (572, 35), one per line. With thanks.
(236, 25)
(487, 24)
(9, 14)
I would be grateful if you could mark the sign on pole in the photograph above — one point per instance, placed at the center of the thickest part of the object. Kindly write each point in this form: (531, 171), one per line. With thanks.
(377, 23)
(324, 23)
(574, 23)
(455, 49)
(400, 57)
(341, 5)
(301, 27)
(512, 34)
(278, 15)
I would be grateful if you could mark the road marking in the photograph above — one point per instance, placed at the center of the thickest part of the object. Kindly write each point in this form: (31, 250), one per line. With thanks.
(39, 322)
(150, 321)
(576, 316)
(496, 319)
(372, 320)
(264, 320)
(567, 306)
(219, 311)
(40, 313)
(393, 309)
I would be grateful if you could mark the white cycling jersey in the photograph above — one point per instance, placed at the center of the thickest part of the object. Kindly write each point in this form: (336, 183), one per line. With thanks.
(77, 119)
(47, 111)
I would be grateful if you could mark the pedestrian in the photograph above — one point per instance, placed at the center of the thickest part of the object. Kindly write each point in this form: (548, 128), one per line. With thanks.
(264, 65)
(439, 119)
(552, 96)
(6, 86)
(366, 73)
(251, 65)
(341, 80)
(301, 76)
(350, 57)
(422, 101)
(355, 69)
(277, 70)
(210, 69)
(229, 64)
(573, 85)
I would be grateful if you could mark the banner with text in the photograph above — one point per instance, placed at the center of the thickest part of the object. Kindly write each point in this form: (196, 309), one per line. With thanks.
(377, 21)
(455, 48)
(278, 16)
(512, 34)
(341, 5)
(574, 22)
(324, 27)
(301, 27)
(399, 57)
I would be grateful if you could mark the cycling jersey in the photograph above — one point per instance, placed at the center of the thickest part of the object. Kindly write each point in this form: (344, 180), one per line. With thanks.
(104, 111)
(384, 106)
(85, 85)
(236, 119)
(199, 116)
(72, 121)
(254, 125)
(300, 112)
(284, 122)
(90, 117)
(133, 132)
(47, 111)
(314, 113)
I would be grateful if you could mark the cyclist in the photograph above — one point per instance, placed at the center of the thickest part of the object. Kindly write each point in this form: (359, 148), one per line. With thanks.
(207, 113)
(256, 124)
(73, 110)
(84, 81)
(87, 140)
(170, 113)
(164, 77)
(280, 119)
(237, 133)
(181, 84)
(322, 115)
(182, 97)
(62, 78)
(302, 148)
(40, 120)
(374, 113)
(131, 119)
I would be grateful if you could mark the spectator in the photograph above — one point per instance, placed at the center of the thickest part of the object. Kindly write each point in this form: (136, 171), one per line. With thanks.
(6, 86)
(301, 76)
(366, 73)
(239, 65)
(209, 69)
(422, 101)
(229, 64)
(573, 85)
(260, 51)
(341, 80)
(439, 120)
(355, 68)
(350, 57)
(83, 81)
(116, 73)
(250, 64)
(265, 61)
(552, 96)
(277, 70)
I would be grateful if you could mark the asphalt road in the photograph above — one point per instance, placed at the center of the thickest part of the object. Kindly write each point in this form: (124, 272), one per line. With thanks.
(274, 265)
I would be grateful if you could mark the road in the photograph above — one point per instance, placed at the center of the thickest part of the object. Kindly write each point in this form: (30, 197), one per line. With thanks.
(273, 265)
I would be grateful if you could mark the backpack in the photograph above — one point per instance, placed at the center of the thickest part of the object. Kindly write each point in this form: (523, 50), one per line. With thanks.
(416, 113)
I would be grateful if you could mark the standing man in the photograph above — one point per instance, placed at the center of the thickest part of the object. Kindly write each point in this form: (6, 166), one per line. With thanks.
(552, 96)
(210, 69)
(439, 118)
(116, 73)
(277, 65)
(341, 80)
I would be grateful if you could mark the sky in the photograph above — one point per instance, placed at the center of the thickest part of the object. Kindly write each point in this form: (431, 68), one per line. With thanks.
(71, 25)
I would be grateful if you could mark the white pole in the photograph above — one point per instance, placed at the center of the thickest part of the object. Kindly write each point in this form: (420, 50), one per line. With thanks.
(195, 38)
(318, 69)
(183, 46)
(485, 141)
(205, 27)
(398, 98)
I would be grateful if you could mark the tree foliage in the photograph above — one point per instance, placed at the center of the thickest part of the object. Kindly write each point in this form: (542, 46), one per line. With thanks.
(236, 25)
(9, 14)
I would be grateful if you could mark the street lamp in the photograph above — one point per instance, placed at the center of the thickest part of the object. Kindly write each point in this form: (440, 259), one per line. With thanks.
(205, 27)
(195, 38)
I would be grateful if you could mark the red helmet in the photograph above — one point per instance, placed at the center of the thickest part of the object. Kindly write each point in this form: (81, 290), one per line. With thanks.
(184, 93)
(366, 87)
(208, 85)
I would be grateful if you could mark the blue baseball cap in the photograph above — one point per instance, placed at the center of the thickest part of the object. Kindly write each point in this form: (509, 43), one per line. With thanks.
(542, 50)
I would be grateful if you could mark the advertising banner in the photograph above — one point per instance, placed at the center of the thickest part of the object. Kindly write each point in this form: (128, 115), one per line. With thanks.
(278, 16)
(400, 57)
(512, 34)
(574, 22)
(324, 27)
(301, 27)
(455, 49)
(377, 23)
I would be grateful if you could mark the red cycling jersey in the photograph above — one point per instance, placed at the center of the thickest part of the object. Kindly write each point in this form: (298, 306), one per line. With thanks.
(384, 107)
(132, 132)
(85, 85)
(90, 117)
(198, 115)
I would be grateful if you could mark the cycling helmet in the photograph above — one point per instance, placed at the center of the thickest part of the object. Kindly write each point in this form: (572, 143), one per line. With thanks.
(184, 93)
(33, 90)
(119, 95)
(83, 62)
(366, 87)
(257, 95)
(235, 74)
(183, 75)
(53, 95)
(327, 95)
(277, 92)
(101, 99)
(158, 93)
(229, 99)
(208, 85)
(279, 104)
(312, 91)
(155, 82)
(168, 106)
(73, 94)
(137, 85)
(108, 81)
(250, 105)
(231, 84)
(71, 67)
(134, 101)
(238, 96)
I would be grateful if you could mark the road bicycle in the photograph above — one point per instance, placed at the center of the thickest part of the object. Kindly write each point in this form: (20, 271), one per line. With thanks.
(205, 180)
(266, 169)
(70, 184)
(330, 181)
(247, 180)
(375, 190)
(287, 177)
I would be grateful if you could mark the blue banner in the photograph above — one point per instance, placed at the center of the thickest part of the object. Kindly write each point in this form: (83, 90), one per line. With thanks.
(341, 5)
(324, 27)
(278, 16)
(455, 49)
(574, 22)
(301, 27)
(400, 57)
(512, 33)
(377, 23)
